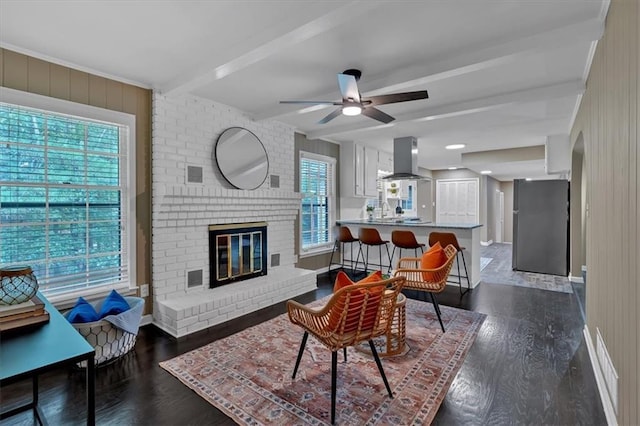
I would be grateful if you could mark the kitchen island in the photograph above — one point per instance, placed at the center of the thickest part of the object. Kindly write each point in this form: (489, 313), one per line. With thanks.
(468, 235)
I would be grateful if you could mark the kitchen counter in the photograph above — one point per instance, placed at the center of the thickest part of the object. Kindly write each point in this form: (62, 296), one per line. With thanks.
(408, 222)
(468, 235)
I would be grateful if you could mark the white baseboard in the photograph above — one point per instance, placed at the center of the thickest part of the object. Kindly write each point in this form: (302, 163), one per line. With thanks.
(146, 320)
(486, 243)
(609, 412)
(578, 280)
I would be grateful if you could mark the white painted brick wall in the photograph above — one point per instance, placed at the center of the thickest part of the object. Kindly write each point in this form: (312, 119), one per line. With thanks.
(185, 130)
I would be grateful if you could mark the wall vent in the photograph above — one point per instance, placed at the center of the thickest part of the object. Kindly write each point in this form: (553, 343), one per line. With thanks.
(274, 181)
(608, 370)
(194, 279)
(194, 174)
(275, 259)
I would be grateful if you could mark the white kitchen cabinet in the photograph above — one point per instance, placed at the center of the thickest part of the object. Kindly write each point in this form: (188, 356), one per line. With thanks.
(385, 161)
(370, 172)
(358, 170)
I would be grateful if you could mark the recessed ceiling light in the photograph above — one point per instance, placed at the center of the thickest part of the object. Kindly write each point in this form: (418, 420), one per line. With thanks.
(485, 172)
(455, 146)
(453, 168)
(528, 179)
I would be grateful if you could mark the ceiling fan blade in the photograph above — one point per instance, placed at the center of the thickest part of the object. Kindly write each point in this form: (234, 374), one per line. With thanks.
(312, 102)
(349, 88)
(331, 116)
(376, 114)
(396, 97)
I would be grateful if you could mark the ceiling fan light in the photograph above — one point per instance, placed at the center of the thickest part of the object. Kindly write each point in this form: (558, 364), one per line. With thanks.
(351, 110)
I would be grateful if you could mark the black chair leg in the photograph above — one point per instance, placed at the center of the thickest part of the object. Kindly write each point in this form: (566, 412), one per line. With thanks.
(335, 244)
(351, 257)
(393, 253)
(345, 353)
(334, 367)
(302, 345)
(437, 309)
(388, 255)
(358, 257)
(366, 262)
(379, 364)
(466, 273)
(459, 276)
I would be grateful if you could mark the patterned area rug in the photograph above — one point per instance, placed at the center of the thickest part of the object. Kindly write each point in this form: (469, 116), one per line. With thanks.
(248, 375)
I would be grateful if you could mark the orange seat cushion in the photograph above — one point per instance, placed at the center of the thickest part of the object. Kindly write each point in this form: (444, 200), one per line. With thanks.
(356, 301)
(343, 280)
(433, 258)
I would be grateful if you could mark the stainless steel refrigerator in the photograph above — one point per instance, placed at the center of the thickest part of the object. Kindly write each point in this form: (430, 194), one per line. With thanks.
(541, 226)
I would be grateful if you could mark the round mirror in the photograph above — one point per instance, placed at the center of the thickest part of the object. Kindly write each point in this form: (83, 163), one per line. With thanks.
(241, 158)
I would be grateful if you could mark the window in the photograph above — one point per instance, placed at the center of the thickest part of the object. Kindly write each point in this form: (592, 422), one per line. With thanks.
(317, 209)
(66, 208)
(408, 200)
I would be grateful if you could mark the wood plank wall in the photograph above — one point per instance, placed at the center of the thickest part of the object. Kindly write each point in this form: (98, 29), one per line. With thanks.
(28, 74)
(608, 123)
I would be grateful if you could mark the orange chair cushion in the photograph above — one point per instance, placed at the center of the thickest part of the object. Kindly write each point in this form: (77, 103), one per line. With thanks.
(343, 280)
(357, 298)
(433, 258)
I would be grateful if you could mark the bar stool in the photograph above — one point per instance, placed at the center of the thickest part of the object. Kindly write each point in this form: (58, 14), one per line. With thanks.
(344, 236)
(371, 237)
(405, 240)
(446, 238)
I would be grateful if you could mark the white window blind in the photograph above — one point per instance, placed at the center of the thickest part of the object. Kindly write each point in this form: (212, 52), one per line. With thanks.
(317, 210)
(64, 198)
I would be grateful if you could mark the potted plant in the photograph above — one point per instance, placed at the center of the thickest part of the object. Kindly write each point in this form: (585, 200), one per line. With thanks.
(370, 212)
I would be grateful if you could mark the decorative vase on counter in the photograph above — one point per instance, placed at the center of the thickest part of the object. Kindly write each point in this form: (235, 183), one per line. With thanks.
(18, 284)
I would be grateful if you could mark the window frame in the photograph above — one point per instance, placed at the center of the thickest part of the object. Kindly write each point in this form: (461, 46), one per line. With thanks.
(413, 211)
(331, 204)
(92, 113)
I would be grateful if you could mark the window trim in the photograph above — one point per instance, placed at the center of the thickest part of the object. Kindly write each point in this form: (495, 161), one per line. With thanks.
(331, 202)
(84, 112)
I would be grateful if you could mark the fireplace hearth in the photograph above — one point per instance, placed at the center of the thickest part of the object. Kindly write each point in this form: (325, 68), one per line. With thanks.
(237, 251)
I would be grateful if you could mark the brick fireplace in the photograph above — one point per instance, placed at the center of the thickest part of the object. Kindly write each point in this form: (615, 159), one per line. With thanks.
(184, 132)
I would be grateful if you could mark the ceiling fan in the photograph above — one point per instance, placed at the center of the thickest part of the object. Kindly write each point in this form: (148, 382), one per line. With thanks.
(353, 104)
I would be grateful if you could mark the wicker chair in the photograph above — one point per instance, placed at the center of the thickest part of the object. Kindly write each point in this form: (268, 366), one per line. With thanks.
(431, 281)
(354, 314)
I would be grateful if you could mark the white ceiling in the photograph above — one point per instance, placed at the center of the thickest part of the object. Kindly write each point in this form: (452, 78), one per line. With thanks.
(500, 73)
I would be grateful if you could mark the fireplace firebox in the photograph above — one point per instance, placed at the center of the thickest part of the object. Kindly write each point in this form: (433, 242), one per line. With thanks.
(237, 251)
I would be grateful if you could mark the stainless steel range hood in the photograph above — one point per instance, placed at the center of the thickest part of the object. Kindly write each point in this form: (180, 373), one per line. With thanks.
(405, 159)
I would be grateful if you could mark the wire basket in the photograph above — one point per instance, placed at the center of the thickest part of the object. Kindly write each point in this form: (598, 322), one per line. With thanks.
(109, 341)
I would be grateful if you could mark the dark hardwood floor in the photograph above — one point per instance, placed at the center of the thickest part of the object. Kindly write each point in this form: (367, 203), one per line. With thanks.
(529, 365)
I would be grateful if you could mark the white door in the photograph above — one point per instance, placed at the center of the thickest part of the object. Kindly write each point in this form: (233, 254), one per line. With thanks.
(499, 213)
(457, 201)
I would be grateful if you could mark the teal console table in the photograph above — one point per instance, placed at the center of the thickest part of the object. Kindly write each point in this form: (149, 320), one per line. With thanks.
(33, 351)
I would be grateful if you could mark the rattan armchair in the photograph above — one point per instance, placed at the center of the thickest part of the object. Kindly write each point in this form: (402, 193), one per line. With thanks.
(354, 314)
(431, 281)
